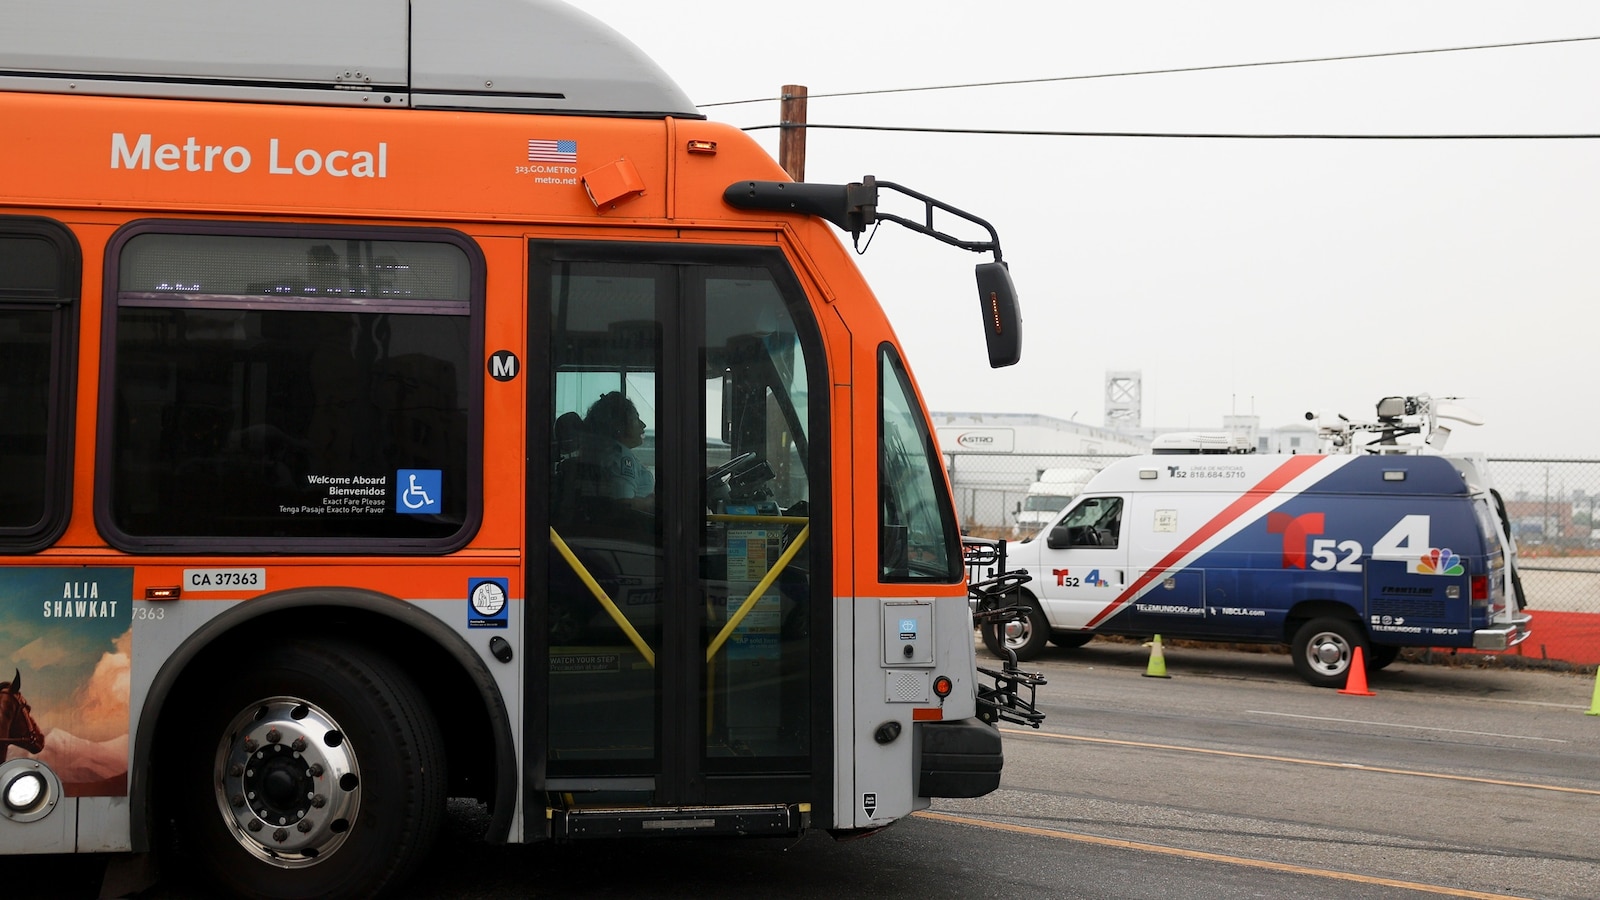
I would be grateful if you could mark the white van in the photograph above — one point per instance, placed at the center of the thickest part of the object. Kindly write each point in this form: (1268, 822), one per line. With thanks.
(1324, 553)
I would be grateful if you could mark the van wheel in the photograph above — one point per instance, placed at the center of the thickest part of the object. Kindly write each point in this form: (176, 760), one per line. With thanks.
(1380, 655)
(1322, 649)
(1071, 640)
(1024, 635)
(312, 769)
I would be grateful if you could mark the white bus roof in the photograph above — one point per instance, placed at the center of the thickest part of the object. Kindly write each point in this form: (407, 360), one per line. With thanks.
(522, 55)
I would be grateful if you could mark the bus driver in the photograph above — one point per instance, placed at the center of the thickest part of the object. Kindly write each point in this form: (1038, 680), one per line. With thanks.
(612, 429)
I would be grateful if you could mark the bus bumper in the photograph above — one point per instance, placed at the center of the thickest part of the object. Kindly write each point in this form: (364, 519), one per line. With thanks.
(958, 759)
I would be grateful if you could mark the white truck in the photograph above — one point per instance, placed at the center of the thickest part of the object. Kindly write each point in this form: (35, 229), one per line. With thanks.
(1049, 495)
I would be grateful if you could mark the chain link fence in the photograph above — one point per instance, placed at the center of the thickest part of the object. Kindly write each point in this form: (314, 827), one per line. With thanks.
(1553, 505)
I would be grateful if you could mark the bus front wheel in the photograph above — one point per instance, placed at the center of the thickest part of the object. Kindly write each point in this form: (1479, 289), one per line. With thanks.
(311, 769)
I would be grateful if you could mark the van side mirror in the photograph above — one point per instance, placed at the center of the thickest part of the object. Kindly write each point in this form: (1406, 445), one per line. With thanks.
(1060, 537)
(1002, 316)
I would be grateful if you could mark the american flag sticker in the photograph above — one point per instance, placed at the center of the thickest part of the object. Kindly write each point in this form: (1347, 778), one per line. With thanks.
(552, 151)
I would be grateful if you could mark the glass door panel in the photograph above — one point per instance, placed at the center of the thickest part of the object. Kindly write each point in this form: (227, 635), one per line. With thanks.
(756, 551)
(606, 567)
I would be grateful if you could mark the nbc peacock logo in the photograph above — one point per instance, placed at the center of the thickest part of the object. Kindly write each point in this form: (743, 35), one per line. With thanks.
(1439, 562)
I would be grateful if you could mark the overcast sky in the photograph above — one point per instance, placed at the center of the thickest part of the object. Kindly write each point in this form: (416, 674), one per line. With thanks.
(1250, 276)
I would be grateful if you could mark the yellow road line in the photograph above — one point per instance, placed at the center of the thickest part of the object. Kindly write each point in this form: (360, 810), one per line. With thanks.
(1354, 767)
(1210, 857)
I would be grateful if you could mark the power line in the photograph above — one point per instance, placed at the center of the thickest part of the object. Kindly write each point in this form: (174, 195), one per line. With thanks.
(1130, 74)
(1023, 132)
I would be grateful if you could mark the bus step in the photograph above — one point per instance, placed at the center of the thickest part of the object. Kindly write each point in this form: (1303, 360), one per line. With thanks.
(678, 821)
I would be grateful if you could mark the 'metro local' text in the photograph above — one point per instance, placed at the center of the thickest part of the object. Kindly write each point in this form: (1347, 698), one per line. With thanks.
(193, 156)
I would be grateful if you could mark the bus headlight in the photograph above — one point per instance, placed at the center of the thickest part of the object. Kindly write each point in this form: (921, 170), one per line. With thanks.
(28, 790)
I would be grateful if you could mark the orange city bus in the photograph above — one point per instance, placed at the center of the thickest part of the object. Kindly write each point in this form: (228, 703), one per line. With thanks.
(434, 404)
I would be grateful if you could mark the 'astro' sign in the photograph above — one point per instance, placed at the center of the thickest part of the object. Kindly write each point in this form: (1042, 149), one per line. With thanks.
(982, 440)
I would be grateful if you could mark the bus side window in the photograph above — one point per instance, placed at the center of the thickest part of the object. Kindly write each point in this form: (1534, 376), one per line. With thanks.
(292, 384)
(39, 277)
(917, 538)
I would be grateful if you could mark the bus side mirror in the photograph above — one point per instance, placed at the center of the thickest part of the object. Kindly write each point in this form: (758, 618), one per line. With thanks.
(1002, 317)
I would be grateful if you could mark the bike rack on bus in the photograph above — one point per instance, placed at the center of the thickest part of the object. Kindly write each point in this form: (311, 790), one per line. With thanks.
(1004, 700)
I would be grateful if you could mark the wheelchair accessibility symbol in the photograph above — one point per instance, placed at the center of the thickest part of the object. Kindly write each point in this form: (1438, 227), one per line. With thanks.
(419, 491)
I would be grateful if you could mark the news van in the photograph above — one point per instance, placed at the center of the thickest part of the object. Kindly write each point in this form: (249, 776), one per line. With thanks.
(1325, 553)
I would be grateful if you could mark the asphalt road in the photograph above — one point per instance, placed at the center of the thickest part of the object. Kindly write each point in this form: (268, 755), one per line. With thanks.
(1478, 780)
(1230, 779)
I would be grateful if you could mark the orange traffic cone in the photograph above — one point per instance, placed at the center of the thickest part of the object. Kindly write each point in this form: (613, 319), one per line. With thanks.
(1356, 682)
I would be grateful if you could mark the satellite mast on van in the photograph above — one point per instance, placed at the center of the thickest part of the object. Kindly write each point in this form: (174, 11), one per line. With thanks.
(1397, 417)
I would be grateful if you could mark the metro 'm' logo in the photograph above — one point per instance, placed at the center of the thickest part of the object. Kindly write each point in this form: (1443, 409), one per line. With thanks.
(1296, 531)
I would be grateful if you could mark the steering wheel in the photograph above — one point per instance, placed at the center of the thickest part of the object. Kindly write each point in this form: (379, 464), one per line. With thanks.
(729, 467)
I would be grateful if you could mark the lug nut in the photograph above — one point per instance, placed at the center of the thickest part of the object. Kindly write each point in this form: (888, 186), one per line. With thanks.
(250, 744)
(281, 835)
(237, 800)
(236, 770)
(304, 827)
(299, 745)
(273, 735)
(319, 801)
(255, 825)
(315, 770)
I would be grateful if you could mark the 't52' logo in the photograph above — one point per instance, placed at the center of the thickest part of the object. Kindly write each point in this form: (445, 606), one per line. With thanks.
(1407, 540)
(1065, 578)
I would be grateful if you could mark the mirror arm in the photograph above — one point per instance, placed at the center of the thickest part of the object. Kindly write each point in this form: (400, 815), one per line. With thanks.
(929, 204)
(854, 206)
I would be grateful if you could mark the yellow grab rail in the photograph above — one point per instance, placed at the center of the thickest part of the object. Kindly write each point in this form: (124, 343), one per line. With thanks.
(605, 601)
(761, 588)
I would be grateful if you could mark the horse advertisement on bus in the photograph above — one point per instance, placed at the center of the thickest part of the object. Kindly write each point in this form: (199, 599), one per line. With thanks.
(67, 635)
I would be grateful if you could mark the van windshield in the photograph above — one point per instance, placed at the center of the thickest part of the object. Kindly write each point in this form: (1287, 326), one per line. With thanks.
(1045, 502)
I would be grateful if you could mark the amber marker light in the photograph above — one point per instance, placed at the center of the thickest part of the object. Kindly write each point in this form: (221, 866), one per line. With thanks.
(942, 686)
(702, 146)
(162, 593)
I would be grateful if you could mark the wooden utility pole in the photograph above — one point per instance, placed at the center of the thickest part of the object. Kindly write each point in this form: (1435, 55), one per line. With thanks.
(792, 131)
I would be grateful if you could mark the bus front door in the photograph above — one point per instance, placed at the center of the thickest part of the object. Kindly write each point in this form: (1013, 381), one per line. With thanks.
(678, 606)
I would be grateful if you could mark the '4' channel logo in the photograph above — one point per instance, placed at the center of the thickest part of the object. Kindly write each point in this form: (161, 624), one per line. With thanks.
(419, 491)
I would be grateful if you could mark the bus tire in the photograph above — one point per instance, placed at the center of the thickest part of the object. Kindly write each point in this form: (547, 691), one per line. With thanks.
(1025, 635)
(312, 769)
(1323, 648)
